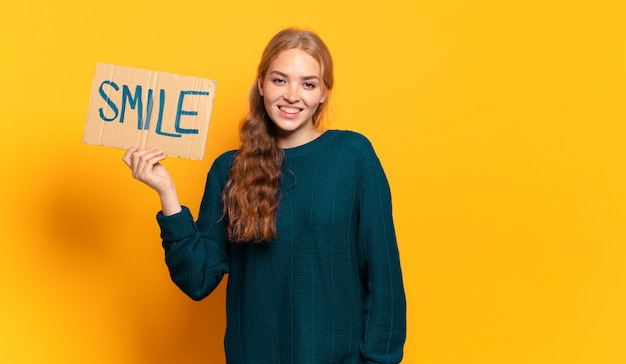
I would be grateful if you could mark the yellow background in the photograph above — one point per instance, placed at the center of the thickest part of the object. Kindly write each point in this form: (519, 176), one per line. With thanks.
(501, 125)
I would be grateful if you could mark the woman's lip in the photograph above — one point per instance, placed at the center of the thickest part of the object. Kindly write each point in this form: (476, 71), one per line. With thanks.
(289, 109)
(289, 112)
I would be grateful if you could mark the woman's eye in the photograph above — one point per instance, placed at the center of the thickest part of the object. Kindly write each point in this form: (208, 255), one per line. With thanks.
(309, 85)
(278, 81)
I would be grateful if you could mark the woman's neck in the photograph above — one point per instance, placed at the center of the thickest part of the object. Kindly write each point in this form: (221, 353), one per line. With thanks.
(296, 139)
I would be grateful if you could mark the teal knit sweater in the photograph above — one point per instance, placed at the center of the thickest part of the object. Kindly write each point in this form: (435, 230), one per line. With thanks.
(329, 289)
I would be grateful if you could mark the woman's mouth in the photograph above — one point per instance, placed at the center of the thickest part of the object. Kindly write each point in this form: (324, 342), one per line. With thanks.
(289, 110)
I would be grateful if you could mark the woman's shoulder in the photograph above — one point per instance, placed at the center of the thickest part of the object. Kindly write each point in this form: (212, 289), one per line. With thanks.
(347, 134)
(226, 157)
(224, 161)
(350, 136)
(352, 139)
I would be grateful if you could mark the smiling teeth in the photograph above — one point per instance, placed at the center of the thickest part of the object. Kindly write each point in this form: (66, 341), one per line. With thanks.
(289, 110)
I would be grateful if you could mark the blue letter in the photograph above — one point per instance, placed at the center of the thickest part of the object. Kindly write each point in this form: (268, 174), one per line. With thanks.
(108, 100)
(160, 119)
(146, 126)
(180, 111)
(133, 102)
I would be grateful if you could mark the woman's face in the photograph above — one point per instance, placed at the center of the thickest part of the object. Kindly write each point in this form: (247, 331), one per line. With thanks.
(292, 91)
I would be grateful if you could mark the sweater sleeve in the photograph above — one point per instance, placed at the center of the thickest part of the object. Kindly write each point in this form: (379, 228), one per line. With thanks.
(379, 266)
(196, 252)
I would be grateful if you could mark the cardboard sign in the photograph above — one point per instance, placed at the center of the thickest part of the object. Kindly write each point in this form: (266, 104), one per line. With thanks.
(130, 106)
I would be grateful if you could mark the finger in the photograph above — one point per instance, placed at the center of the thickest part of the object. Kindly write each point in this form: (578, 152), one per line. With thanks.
(134, 159)
(147, 154)
(138, 155)
(128, 155)
(144, 161)
(147, 161)
(137, 162)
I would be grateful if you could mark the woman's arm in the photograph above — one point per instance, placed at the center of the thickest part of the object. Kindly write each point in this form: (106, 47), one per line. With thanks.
(384, 309)
(195, 252)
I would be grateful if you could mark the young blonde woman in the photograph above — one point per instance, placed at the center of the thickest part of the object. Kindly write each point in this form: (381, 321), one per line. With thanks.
(299, 218)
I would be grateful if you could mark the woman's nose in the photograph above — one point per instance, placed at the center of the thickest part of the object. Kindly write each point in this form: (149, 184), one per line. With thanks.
(292, 95)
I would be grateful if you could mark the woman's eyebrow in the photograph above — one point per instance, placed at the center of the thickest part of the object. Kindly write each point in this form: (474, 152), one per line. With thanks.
(282, 74)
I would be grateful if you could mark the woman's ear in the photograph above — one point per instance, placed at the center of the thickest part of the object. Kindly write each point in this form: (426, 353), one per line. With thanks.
(259, 85)
(324, 97)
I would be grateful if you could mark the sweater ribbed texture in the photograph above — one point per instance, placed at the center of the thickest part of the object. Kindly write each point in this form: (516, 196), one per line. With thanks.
(329, 289)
